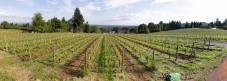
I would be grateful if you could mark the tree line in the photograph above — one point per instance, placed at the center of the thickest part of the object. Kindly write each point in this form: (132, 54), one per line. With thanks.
(218, 24)
(172, 25)
(76, 24)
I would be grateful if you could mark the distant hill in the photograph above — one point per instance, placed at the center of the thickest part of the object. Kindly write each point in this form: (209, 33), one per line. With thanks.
(203, 24)
(119, 26)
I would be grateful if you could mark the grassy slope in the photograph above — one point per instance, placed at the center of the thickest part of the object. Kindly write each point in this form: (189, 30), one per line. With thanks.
(2, 31)
(12, 69)
(192, 31)
(3, 59)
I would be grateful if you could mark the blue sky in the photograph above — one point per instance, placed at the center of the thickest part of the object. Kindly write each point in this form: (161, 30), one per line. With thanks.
(116, 12)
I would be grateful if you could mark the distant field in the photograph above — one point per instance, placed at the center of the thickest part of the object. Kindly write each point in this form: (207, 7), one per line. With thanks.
(2, 31)
(195, 33)
(67, 56)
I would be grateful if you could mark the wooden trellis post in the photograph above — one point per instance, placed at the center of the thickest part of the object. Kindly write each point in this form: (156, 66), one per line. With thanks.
(168, 51)
(153, 56)
(177, 51)
(162, 45)
(185, 50)
(150, 39)
(28, 51)
(122, 64)
(204, 43)
(165, 43)
(192, 48)
(53, 56)
(86, 60)
(209, 43)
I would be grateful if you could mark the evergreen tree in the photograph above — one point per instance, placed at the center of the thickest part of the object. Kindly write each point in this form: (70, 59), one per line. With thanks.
(143, 28)
(87, 27)
(192, 25)
(146, 29)
(55, 25)
(132, 30)
(64, 25)
(186, 25)
(160, 25)
(200, 24)
(116, 29)
(225, 22)
(77, 21)
(26, 25)
(218, 23)
(178, 25)
(211, 24)
(151, 27)
(95, 29)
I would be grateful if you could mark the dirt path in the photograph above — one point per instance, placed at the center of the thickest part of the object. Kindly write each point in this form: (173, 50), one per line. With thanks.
(220, 73)
(77, 62)
(219, 43)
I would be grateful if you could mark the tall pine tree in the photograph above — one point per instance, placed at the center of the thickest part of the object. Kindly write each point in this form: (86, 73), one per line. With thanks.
(87, 28)
(77, 21)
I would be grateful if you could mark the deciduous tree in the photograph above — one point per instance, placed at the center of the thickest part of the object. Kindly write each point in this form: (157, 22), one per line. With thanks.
(5, 25)
(39, 25)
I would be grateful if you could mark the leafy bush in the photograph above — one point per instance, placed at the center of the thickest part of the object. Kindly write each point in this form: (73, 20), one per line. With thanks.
(83, 73)
(153, 68)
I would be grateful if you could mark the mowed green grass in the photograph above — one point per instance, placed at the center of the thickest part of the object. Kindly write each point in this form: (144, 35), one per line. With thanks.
(9, 31)
(3, 59)
(11, 69)
(195, 33)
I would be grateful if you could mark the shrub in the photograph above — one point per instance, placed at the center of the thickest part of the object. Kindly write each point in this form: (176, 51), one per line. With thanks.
(153, 68)
(83, 73)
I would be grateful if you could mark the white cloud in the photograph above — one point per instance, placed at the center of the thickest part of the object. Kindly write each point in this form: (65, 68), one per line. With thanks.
(89, 12)
(82, 0)
(13, 17)
(162, 1)
(188, 10)
(68, 7)
(27, 2)
(125, 11)
(119, 3)
(209, 10)
(53, 2)
(125, 17)
(89, 8)
(133, 18)
(13, 13)
(3, 14)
